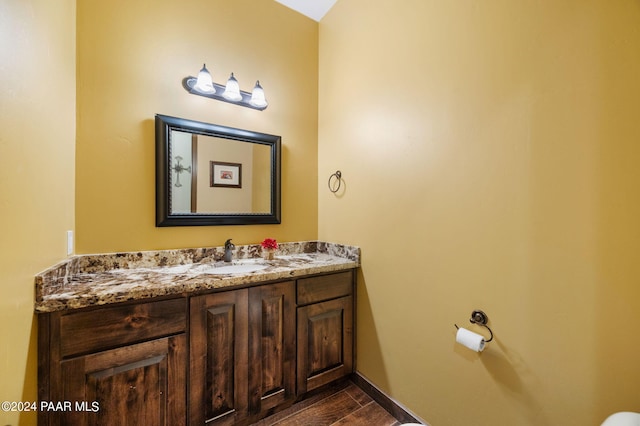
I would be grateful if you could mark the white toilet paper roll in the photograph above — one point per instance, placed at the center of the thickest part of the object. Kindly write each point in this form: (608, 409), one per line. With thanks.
(471, 340)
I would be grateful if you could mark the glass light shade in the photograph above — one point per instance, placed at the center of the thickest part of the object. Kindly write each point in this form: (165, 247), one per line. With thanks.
(232, 90)
(257, 96)
(204, 83)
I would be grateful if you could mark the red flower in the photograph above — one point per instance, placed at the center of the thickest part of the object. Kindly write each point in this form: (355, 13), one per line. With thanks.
(269, 243)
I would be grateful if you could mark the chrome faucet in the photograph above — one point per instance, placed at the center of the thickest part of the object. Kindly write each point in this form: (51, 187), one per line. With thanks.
(228, 250)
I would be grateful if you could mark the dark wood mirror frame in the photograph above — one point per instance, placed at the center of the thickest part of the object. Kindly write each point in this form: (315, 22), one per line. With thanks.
(164, 217)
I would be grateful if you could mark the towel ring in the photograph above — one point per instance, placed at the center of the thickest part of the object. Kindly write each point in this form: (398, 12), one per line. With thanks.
(338, 178)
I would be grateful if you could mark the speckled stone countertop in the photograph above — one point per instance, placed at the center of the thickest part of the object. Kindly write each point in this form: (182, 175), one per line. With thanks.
(91, 280)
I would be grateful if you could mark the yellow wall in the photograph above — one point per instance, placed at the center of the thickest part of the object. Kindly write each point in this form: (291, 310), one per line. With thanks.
(490, 157)
(37, 140)
(132, 57)
(510, 185)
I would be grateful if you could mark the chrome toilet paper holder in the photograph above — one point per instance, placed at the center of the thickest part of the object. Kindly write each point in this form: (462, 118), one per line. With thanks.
(480, 318)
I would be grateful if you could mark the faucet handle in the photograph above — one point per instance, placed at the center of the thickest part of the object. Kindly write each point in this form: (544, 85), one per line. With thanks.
(228, 253)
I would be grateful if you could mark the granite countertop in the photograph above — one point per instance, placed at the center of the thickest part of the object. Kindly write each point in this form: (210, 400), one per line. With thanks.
(100, 279)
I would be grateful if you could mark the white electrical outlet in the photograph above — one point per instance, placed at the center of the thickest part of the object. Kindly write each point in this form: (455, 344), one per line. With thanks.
(69, 242)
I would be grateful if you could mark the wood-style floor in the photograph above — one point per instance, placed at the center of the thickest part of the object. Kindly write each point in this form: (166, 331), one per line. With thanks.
(346, 405)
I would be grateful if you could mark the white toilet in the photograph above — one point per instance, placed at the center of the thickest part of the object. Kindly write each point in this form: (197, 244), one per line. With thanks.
(623, 418)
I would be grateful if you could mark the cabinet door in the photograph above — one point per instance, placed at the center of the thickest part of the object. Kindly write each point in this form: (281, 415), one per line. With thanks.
(272, 346)
(141, 384)
(325, 342)
(219, 358)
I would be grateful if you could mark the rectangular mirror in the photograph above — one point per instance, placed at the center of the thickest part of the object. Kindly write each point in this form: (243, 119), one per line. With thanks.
(207, 174)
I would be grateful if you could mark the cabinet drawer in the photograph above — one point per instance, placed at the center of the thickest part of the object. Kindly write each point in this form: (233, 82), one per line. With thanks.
(325, 287)
(111, 327)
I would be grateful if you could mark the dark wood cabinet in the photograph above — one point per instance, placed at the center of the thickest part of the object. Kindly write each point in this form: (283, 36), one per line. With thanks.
(218, 358)
(222, 358)
(324, 330)
(140, 384)
(242, 353)
(272, 346)
(121, 365)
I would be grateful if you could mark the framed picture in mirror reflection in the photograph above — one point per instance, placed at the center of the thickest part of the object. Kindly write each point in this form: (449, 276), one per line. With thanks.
(226, 175)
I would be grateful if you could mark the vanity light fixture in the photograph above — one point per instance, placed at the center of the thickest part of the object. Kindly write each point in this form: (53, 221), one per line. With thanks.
(203, 85)
(232, 90)
(257, 96)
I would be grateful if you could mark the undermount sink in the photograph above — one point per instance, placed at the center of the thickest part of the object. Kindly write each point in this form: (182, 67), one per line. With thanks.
(178, 269)
(237, 267)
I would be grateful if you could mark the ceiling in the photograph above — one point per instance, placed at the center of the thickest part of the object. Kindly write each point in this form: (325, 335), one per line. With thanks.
(314, 9)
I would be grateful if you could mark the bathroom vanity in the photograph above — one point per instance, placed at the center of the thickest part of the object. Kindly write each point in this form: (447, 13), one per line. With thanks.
(162, 338)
